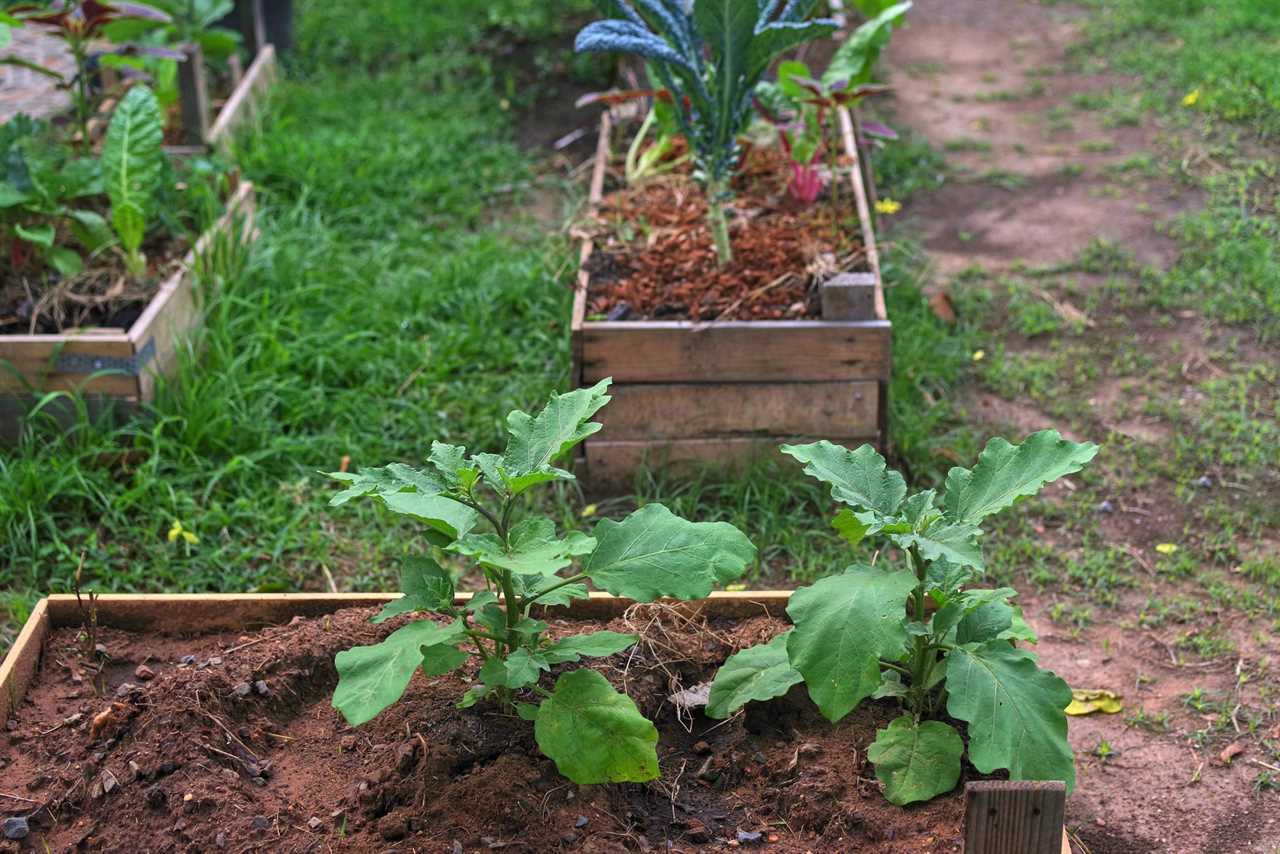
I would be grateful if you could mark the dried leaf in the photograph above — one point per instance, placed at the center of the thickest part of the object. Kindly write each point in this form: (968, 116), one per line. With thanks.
(1086, 701)
(940, 302)
(1231, 751)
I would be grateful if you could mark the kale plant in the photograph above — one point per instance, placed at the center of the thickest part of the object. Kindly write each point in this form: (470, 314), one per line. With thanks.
(868, 632)
(709, 55)
(468, 503)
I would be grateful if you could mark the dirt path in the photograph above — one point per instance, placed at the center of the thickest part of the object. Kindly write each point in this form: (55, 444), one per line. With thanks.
(25, 91)
(1046, 160)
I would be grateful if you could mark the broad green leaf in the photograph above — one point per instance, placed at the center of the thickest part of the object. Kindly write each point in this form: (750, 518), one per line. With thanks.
(780, 37)
(984, 623)
(133, 162)
(1014, 710)
(728, 29)
(537, 441)
(891, 685)
(594, 645)
(65, 260)
(527, 711)
(451, 463)
(654, 553)
(854, 60)
(530, 586)
(38, 235)
(956, 542)
(594, 734)
(1006, 472)
(860, 478)
(448, 518)
(438, 659)
(473, 695)
(1019, 630)
(371, 678)
(844, 625)
(90, 229)
(426, 587)
(849, 526)
(963, 603)
(918, 510)
(534, 548)
(523, 667)
(916, 761)
(760, 673)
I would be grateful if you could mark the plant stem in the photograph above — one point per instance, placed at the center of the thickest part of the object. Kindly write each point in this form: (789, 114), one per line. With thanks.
(922, 657)
(717, 192)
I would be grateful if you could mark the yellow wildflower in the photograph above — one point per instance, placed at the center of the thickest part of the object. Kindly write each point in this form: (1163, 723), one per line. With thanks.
(888, 207)
(1189, 99)
(178, 531)
(1166, 548)
(979, 355)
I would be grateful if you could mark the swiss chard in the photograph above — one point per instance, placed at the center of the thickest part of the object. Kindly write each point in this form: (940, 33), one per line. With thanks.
(708, 55)
(132, 166)
(869, 633)
(468, 502)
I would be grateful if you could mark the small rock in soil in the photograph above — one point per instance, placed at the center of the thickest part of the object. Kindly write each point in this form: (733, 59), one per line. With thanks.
(220, 840)
(187, 660)
(167, 767)
(582, 821)
(100, 649)
(393, 828)
(260, 822)
(1204, 482)
(748, 837)
(348, 743)
(215, 661)
(314, 823)
(621, 311)
(242, 689)
(16, 828)
(701, 748)
(1106, 507)
(144, 673)
(261, 688)
(125, 689)
(109, 782)
(569, 837)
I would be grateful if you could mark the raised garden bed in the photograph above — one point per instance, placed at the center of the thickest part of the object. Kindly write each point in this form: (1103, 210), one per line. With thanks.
(117, 367)
(722, 391)
(240, 108)
(211, 726)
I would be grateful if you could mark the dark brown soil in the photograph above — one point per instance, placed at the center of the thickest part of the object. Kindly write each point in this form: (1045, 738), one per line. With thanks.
(240, 751)
(654, 258)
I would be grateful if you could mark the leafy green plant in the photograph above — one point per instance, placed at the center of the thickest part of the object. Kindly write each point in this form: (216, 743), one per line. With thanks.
(709, 56)
(132, 166)
(868, 632)
(593, 733)
(183, 22)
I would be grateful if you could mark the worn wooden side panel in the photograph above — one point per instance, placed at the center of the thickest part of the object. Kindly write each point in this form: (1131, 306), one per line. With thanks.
(742, 351)
(241, 107)
(65, 363)
(610, 465)
(1014, 817)
(20, 665)
(691, 410)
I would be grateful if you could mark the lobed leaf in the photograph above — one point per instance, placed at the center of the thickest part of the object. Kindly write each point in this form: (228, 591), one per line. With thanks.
(594, 734)
(537, 441)
(426, 587)
(844, 625)
(371, 678)
(759, 673)
(916, 761)
(1014, 710)
(533, 548)
(654, 553)
(594, 645)
(1007, 472)
(859, 478)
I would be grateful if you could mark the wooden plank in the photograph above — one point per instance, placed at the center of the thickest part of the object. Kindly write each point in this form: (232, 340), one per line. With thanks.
(193, 95)
(735, 351)
(849, 296)
(611, 465)
(20, 665)
(241, 107)
(691, 410)
(596, 193)
(864, 209)
(1014, 817)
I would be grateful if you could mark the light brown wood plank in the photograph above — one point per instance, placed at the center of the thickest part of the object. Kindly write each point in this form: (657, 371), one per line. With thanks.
(689, 411)
(611, 465)
(847, 136)
(20, 665)
(739, 351)
(1014, 817)
(248, 94)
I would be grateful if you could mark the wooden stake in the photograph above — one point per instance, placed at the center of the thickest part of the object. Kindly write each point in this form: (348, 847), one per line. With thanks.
(253, 25)
(1015, 817)
(193, 93)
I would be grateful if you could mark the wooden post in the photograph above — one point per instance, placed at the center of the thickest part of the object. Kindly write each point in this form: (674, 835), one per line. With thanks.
(193, 94)
(253, 25)
(849, 296)
(1015, 817)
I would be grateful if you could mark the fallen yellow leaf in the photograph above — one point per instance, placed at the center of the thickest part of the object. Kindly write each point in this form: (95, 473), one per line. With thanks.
(1166, 548)
(1086, 701)
(1189, 99)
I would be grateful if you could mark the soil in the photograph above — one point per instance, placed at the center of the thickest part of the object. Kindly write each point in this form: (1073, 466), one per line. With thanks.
(239, 750)
(654, 258)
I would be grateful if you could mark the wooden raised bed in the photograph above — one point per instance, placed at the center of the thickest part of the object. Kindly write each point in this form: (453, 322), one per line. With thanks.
(117, 367)
(722, 392)
(1001, 817)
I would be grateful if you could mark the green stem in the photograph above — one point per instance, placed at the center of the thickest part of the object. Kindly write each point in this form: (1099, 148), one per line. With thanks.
(717, 193)
(922, 656)
(565, 583)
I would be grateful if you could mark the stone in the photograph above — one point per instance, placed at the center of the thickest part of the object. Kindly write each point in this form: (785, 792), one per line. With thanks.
(748, 837)
(315, 823)
(582, 821)
(260, 823)
(187, 660)
(261, 688)
(16, 828)
(144, 673)
(109, 782)
(242, 689)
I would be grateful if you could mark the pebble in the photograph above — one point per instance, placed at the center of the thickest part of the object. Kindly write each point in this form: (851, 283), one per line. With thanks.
(125, 689)
(16, 828)
(701, 748)
(582, 821)
(100, 649)
(187, 660)
(144, 673)
(315, 823)
(261, 688)
(260, 822)
(242, 689)
(1204, 482)
(749, 836)
(220, 840)
(215, 661)
(621, 311)
(109, 782)
(1105, 506)
(156, 798)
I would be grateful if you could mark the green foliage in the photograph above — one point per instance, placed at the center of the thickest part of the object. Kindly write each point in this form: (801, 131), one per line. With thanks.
(868, 632)
(184, 22)
(855, 59)
(593, 734)
(132, 166)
